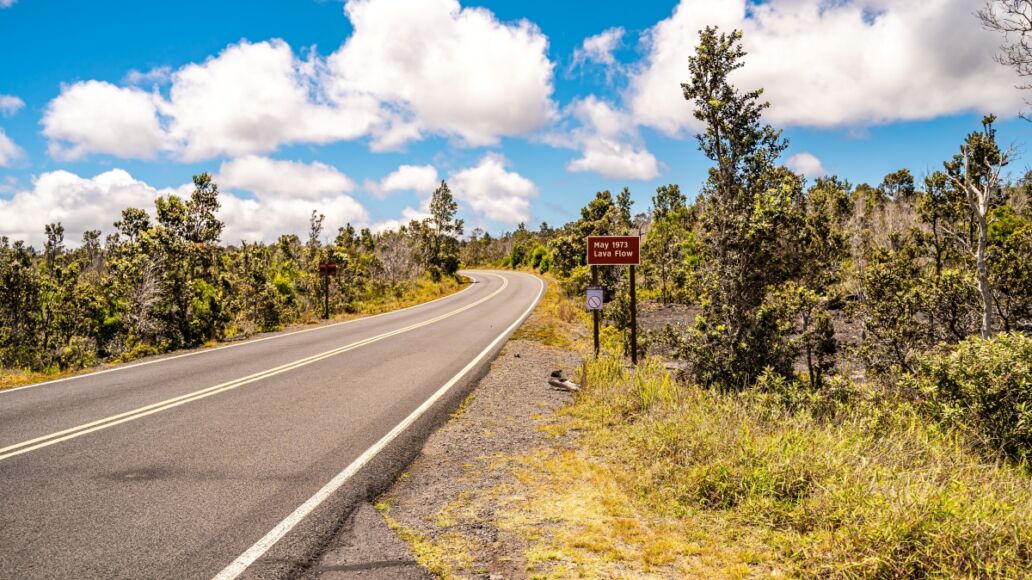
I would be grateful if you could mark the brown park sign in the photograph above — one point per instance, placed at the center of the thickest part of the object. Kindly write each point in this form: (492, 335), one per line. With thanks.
(614, 250)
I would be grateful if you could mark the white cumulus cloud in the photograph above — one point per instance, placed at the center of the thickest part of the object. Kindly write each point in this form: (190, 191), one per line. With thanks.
(9, 152)
(271, 177)
(155, 76)
(99, 117)
(285, 193)
(444, 69)
(407, 215)
(265, 218)
(421, 179)
(9, 105)
(252, 98)
(807, 164)
(827, 64)
(599, 48)
(408, 70)
(493, 192)
(79, 203)
(85, 203)
(608, 142)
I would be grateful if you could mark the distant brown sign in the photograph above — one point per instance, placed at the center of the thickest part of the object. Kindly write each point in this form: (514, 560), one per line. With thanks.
(328, 269)
(614, 250)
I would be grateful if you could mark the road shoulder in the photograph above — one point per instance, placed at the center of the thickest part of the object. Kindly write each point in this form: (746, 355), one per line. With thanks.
(453, 506)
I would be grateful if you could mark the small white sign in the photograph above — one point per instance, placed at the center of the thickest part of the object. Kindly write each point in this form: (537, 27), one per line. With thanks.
(594, 298)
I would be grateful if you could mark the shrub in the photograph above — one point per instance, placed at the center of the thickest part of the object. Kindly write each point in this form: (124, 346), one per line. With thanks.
(984, 387)
(872, 490)
(79, 353)
(546, 264)
(536, 255)
(518, 256)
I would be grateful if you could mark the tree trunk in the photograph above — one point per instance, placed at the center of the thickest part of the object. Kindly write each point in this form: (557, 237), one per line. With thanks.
(984, 286)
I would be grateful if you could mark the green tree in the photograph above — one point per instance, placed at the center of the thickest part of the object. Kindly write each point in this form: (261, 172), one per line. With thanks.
(187, 235)
(1010, 266)
(440, 236)
(892, 311)
(751, 213)
(665, 243)
(976, 172)
(898, 186)
(20, 308)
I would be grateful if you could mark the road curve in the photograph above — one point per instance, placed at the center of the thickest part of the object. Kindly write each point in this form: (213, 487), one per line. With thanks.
(239, 461)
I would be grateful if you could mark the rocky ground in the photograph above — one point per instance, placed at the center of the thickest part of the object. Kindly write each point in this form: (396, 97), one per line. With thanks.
(503, 490)
(453, 505)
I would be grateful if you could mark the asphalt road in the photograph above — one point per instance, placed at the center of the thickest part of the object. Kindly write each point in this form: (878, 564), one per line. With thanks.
(241, 460)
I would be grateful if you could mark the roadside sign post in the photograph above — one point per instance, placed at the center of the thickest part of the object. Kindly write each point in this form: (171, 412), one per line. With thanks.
(615, 251)
(327, 269)
(595, 299)
(634, 320)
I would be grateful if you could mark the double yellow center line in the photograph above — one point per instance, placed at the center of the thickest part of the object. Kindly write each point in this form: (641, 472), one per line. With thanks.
(79, 431)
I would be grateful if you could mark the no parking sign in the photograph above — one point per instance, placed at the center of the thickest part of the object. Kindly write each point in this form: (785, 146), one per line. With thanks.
(594, 298)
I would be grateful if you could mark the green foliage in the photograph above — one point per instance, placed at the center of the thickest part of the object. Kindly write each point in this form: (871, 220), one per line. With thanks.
(892, 310)
(670, 247)
(898, 186)
(518, 256)
(1010, 265)
(751, 219)
(807, 324)
(537, 255)
(545, 266)
(166, 282)
(867, 489)
(439, 234)
(983, 387)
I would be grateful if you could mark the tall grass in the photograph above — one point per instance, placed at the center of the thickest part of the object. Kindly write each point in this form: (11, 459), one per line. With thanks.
(555, 322)
(421, 290)
(865, 489)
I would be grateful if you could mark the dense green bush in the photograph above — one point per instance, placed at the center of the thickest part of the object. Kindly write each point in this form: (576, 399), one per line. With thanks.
(536, 255)
(983, 387)
(167, 280)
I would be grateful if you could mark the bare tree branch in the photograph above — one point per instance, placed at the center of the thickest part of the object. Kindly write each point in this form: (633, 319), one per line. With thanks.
(1013, 19)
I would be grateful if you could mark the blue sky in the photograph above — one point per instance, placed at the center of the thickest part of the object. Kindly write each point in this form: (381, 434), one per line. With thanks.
(527, 108)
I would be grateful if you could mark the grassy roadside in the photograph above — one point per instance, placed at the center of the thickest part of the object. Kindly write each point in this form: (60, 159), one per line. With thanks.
(424, 290)
(669, 480)
(868, 491)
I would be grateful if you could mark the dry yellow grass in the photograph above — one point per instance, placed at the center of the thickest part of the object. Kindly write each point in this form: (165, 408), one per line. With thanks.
(557, 321)
(670, 480)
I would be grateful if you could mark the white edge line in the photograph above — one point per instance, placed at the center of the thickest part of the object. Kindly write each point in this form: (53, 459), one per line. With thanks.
(131, 415)
(263, 545)
(229, 346)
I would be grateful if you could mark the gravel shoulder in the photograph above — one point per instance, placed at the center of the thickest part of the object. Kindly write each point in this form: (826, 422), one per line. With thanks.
(454, 504)
(515, 486)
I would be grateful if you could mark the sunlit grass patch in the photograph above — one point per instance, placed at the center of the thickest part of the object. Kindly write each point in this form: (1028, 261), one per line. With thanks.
(667, 479)
(579, 520)
(441, 556)
(421, 290)
(557, 321)
(10, 378)
(873, 489)
(462, 408)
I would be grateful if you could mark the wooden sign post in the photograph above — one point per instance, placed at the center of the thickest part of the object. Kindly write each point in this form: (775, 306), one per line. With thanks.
(327, 269)
(616, 251)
